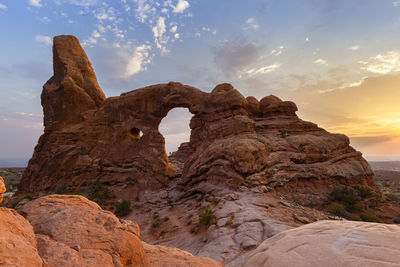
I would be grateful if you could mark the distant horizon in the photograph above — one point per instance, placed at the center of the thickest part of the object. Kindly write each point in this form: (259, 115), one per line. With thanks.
(23, 162)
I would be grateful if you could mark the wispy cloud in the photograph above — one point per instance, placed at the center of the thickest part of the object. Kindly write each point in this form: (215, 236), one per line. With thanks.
(382, 63)
(263, 70)
(321, 61)
(278, 51)
(36, 3)
(158, 32)
(43, 39)
(250, 24)
(3, 6)
(354, 48)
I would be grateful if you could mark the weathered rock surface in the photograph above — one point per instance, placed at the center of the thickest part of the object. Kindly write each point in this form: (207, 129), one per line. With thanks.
(164, 256)
(2, 188)
(234, 140)
(17, 241)
(248, 158)
(331, 244)
(73, 231)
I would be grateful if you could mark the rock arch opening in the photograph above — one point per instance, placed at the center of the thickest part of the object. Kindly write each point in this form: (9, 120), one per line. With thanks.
(135, 133)
(175, 128)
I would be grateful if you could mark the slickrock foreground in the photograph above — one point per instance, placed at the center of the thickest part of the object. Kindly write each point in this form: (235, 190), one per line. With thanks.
(331, 244)
(73, 231)
(17, 241)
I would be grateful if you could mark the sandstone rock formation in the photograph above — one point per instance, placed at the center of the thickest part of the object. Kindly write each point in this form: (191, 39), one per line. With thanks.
(234, 140)
(331, 244)
(165, 256)
(17, 241)
(73, 231)
(250, 159)
(2, 188)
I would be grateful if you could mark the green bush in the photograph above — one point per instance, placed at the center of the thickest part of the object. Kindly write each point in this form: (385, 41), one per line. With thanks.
(123, 208)
(170, 202)
(345, 195)
(283, 133)
(155, 224)
(369, 218)
(15, 204)
(206, 216)
(99, 193)
(363, 191)
(62, 190)
(338, 210)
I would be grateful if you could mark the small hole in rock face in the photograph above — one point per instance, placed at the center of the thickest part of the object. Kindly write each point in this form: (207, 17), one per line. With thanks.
(135, 133)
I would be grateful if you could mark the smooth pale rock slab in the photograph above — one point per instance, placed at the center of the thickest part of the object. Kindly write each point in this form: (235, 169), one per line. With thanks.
(164, 256)
(331, 244)
(17, 241)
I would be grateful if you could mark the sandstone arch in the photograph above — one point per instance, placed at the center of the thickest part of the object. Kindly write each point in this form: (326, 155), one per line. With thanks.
(234, 140)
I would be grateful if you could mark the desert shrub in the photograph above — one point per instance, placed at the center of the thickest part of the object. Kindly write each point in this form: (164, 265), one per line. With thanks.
(155, 224)
(62, 189)
(298, 201)
(229, 220)
(363, 191)
(123, 208)
(206, 216)
(99, 193)
(283, 133)
(369, 218)
(338, 209)
(170, 202)
(15, 204)
(345, 195)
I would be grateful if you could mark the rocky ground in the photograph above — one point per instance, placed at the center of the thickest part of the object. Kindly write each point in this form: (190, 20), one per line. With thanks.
(251, 170)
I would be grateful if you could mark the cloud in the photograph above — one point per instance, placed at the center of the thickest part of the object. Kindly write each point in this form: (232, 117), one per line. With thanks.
(158, 33)
(144, 9)
(250, 24)
(382, 63)
(234, 56)
(35, 3)
(338, 111)
(263, 70)
(320, 61)
(138, 61)
(180, 6)
(92, 40)
(43, 39)
(396, 3)
(278, 51)
(3, 6)
(119, 63)
(354, 48)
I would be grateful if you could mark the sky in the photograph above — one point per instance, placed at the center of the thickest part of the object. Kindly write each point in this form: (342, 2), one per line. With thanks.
(339, 61)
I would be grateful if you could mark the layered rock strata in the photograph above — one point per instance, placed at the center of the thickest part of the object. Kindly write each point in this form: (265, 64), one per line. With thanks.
(234, 140)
